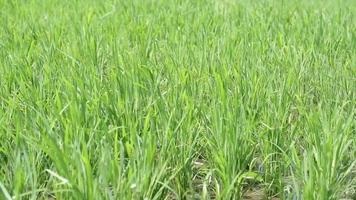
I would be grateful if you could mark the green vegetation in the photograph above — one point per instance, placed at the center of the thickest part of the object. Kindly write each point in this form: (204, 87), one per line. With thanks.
(177, 99)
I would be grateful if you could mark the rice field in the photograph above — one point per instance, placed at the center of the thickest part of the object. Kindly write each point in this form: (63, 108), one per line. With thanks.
(177, 99)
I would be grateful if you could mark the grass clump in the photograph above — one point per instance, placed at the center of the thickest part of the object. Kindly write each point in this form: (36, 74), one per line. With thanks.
(177, 99)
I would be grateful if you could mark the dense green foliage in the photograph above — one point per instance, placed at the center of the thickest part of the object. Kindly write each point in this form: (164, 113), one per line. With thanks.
(177, 99)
